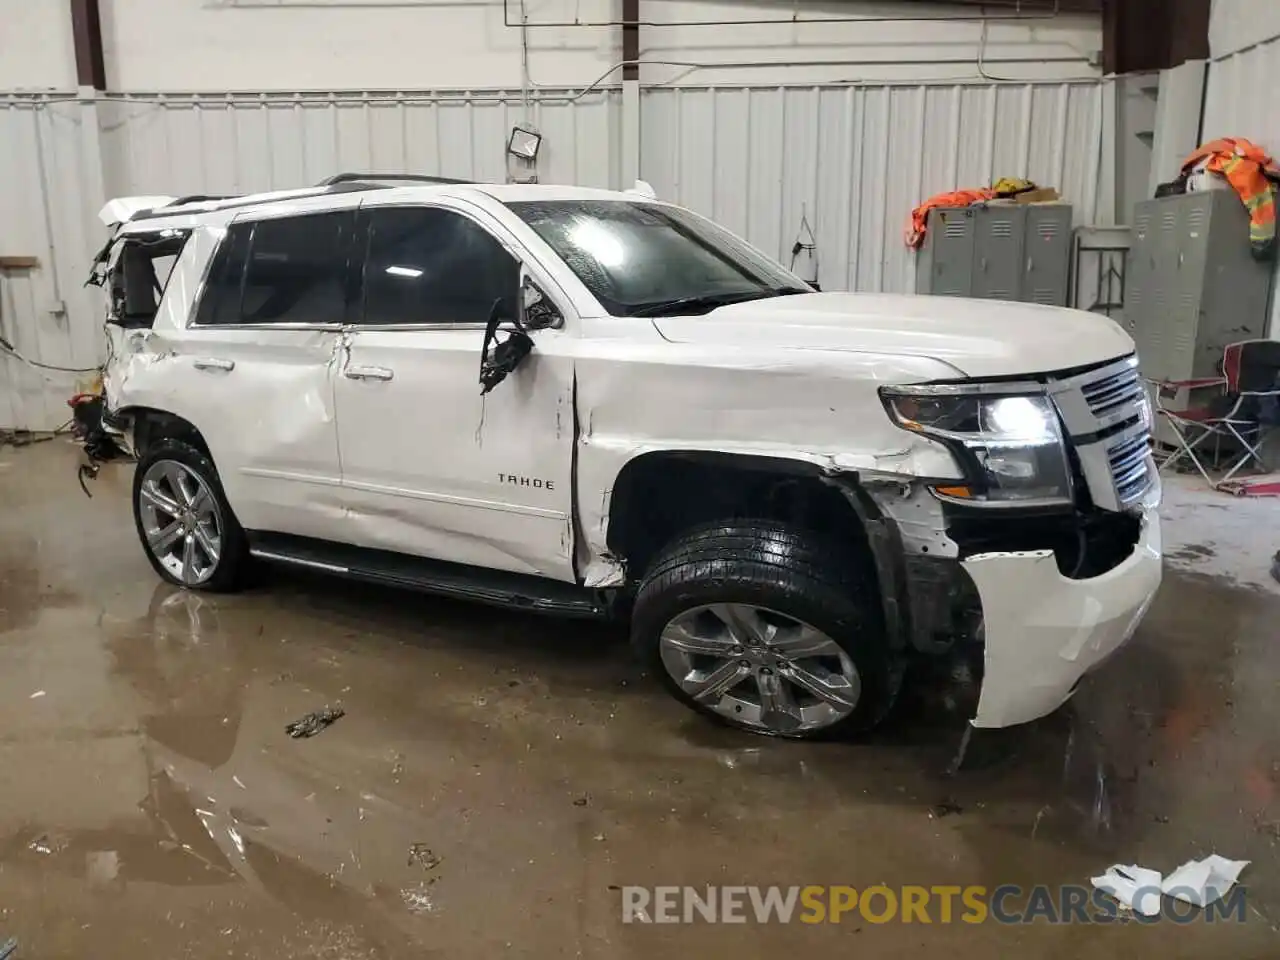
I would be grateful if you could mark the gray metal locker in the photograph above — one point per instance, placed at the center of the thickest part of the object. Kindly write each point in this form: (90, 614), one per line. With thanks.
(1193, 285)
(945, 266)
(998, 251)
(1000, 242)
(1048, 253)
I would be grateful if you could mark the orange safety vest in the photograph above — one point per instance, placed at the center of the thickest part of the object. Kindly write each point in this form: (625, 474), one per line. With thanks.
(958, 198)
(1252, 174)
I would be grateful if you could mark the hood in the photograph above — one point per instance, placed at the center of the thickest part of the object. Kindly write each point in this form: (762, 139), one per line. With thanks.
(979, 338)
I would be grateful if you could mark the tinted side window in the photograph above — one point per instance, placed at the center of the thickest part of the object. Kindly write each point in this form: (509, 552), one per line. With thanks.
(297, 270)
(427, 265)
(220, 301)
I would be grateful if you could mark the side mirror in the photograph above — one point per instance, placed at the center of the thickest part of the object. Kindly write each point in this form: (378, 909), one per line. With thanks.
(537, 312)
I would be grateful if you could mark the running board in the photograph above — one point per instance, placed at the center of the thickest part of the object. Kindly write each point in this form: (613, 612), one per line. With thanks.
(493, 587)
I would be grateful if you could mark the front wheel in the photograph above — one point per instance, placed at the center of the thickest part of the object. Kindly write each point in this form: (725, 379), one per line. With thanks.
(186, 526)
(766, 627)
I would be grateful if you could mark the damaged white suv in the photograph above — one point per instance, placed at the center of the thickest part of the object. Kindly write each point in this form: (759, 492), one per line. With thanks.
(592, 403)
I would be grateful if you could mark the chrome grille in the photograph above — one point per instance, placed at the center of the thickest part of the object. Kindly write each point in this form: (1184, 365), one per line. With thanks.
(1114, 392)
(1130, 467)
(1106, 415)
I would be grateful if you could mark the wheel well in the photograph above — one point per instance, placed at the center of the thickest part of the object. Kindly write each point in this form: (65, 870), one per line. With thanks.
(151, 426)
(659, 495)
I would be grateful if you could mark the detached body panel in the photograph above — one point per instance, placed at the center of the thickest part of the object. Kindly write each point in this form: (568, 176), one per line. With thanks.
(1044, 632)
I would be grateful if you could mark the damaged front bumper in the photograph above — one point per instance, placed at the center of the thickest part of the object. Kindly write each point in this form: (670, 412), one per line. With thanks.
(1044, 632)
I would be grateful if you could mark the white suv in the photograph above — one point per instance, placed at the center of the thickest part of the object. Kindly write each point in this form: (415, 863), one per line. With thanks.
(593, 403)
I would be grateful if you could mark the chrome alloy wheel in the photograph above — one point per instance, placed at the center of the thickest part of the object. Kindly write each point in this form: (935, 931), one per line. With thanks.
(180, 521)
(760, 669)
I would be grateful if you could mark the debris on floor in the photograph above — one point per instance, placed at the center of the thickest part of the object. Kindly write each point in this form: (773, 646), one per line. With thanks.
(1275, 566)
(314, 722)
(7, 948)
(1137, 888)
(418, 899)
(424, 856)
(945, 809)
(47, 844)
(1197, 882)
(1202, 882)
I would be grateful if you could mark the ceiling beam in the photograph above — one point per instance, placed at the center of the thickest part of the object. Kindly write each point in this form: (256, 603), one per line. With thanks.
(630, 39)
(86, 31)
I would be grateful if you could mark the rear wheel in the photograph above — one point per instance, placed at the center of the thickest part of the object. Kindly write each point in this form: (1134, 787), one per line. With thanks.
(184, 521)
(768, 628)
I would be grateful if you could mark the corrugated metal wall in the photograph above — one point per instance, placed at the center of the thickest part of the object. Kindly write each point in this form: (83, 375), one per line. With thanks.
(237, 144)
(45, 313)
(853, 160)
(1240, 102)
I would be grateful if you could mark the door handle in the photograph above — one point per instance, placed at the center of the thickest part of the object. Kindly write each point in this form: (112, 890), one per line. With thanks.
(367, 373)
(213, 363)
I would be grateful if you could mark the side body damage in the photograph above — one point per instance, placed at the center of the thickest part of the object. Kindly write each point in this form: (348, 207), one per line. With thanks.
(613, 437)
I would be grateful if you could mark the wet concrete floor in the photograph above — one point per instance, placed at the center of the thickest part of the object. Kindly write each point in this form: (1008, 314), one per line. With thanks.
(497, 777)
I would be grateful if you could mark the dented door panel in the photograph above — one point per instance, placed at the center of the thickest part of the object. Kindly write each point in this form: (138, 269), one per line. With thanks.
(432, 468)
(263, 400)
(260, 395)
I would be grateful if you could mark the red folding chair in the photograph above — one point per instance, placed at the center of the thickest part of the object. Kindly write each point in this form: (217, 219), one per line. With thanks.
(1250, 399)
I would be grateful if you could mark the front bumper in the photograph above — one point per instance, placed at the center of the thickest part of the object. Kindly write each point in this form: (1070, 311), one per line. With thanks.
(1043, 632)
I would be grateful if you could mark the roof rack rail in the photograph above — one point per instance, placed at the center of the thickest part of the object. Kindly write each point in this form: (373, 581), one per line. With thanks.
(253, 200)
(415, 177)
(199, 198)
(339, 183)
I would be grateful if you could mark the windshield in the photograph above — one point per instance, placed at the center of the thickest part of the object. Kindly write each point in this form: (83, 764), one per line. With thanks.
(646, 259)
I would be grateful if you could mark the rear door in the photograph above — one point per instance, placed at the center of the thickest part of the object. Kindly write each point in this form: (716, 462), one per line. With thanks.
(261, 352)
(429, 466)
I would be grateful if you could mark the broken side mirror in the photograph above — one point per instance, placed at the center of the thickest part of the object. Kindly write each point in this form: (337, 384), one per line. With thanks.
(500, 356)
(537, 312)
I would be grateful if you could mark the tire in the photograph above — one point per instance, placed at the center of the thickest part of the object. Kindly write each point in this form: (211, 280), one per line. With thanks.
(175, 472)
(788, 576)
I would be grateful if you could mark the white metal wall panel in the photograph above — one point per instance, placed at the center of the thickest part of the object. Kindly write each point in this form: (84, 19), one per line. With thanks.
(1237, 25)
(45, 313)
(1240, 102)
(854, 161)
(238, 144)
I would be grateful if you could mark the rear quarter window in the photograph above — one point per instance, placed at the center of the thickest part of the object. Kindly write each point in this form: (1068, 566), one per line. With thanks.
(285, 270)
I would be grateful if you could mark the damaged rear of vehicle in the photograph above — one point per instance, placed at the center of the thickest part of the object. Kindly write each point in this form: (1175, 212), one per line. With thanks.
(133, 269)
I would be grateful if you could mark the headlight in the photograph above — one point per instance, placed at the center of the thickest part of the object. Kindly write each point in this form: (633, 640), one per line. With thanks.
(1009, 445)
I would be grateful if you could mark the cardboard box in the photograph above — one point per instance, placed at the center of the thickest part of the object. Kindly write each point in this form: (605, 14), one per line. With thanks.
(1042, 195)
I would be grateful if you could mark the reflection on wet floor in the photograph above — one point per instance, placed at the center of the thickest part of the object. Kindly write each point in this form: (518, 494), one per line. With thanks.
(497, 777)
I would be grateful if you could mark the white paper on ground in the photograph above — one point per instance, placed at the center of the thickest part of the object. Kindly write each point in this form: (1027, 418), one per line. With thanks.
(1202, 882)
(1136, 887)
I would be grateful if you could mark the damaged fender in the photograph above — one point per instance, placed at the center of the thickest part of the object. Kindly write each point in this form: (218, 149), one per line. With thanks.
(1044, 632)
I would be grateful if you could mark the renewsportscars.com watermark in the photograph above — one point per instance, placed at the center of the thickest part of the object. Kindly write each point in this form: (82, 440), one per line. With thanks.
(1006, 904)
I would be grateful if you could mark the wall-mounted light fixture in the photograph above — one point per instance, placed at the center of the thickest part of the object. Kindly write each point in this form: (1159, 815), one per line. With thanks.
(524, 144)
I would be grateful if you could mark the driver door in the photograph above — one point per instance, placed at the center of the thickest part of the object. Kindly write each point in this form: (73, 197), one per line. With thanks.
(429, 466)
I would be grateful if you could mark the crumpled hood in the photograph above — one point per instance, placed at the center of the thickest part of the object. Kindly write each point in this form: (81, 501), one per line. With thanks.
(979, 338)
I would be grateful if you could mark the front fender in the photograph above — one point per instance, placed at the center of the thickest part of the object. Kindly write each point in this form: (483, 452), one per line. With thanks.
(817, 410)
